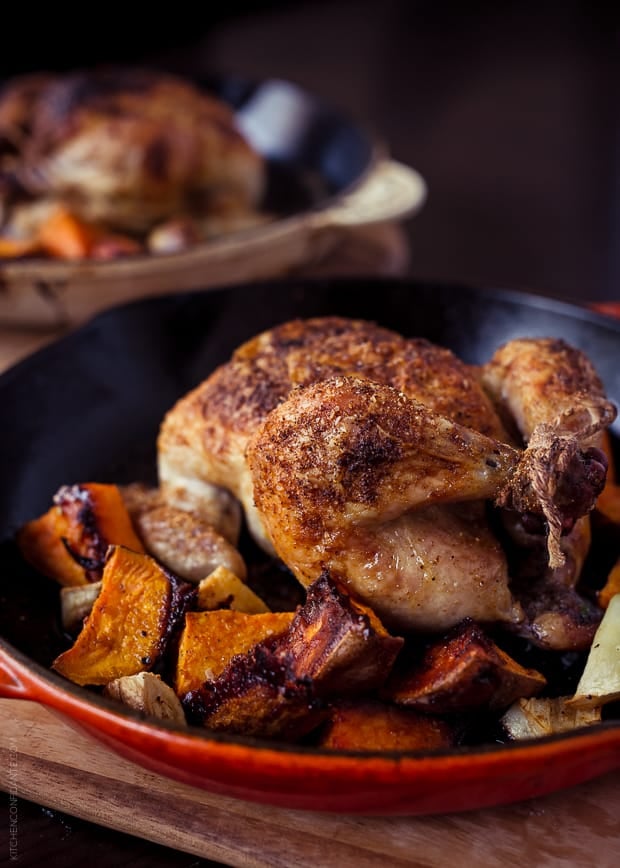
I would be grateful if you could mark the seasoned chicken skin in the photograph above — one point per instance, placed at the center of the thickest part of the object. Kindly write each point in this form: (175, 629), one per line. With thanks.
(271, 427)
(127, 147)
(203, 439)
(349, 476)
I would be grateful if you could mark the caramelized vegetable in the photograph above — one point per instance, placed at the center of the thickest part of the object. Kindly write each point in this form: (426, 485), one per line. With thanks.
(600, 680)
(210, 640)
(334, 646)
(131, 622)
(377, 726)
(222, 589)
(535, 718)
(76, 601)
(146, 692)
(70, 541)
(463, 671)
(64, 236)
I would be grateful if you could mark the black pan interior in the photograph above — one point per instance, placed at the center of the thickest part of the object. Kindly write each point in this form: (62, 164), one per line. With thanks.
(313, 150)
(88, 407)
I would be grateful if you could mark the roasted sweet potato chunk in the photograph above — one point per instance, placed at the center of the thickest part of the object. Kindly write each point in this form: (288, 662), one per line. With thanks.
(376, 726)
(69, 542)
(131, 622)
(339, 643)
(222, 589)
(258, 694)
(334, 645)
(210, 640)
(463, 671)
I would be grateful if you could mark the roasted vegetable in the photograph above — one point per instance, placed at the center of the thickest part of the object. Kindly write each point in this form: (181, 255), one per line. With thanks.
(334, 646)
(535, 718)
(611, 586)
(70, 541)
(210, 640)
(462, 671)
(376, 726)
(600, 681)
(76, 602)
(222, 589)
(131, 623)
(147, 693)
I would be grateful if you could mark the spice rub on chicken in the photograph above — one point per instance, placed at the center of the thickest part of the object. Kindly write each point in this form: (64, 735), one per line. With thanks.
(378, 458)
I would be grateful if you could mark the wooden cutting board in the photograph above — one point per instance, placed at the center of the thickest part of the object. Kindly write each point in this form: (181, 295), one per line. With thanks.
(44, 759)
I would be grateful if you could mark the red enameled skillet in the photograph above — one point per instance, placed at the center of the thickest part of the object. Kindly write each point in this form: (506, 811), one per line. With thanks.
(88, 408)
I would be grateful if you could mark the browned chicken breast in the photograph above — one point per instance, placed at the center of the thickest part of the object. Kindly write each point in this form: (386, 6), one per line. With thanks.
(128, 147)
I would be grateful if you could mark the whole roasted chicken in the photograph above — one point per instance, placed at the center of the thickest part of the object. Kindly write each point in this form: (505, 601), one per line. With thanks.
(125, 147)
(405, 474)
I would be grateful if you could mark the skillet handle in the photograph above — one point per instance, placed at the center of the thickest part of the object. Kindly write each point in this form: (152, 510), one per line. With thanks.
(11, 685)
(390, 191)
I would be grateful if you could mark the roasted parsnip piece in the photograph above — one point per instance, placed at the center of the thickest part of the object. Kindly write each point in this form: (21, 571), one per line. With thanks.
(222, 589)
(368, 725)
(75, 604)
(185, 543)
(600, 680)
(537, 717)
(147, 693)
(463, 671)
(70, 541)
(132, 620)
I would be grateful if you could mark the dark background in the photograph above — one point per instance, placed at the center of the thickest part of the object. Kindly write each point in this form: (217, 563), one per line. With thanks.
(509, 110)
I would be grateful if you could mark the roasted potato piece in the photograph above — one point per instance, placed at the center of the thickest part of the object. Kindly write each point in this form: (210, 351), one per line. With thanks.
(339, 643)
(70, 541)
(147, 693)
(182, 541)
(600, 680)
(222, 589)
(131, 622)
(76, 601)
(215, 506)
(210, 640)
(372, 725)
(463, 671)
(534, 718)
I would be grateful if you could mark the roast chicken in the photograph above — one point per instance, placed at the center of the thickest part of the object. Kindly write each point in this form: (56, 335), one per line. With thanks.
(402, 472)
(125, 147)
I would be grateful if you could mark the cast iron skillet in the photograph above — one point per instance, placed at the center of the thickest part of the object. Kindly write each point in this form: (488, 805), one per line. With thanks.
(88, 409)
(325, 171)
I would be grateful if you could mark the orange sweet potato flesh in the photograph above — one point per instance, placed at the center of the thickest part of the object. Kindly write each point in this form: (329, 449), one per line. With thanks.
(69, 542)
(608, 501)
(375, 726)
(63, 235)
(132, 619)
(210, 640)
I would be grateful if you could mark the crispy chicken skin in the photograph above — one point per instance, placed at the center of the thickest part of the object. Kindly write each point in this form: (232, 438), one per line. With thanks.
(416, 438)
(203, 439)
(127, 147)
(348, 477)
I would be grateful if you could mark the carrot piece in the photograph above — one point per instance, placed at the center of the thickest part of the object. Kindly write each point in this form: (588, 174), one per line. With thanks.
(70, 541)
(15, 248)
(65, 236)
